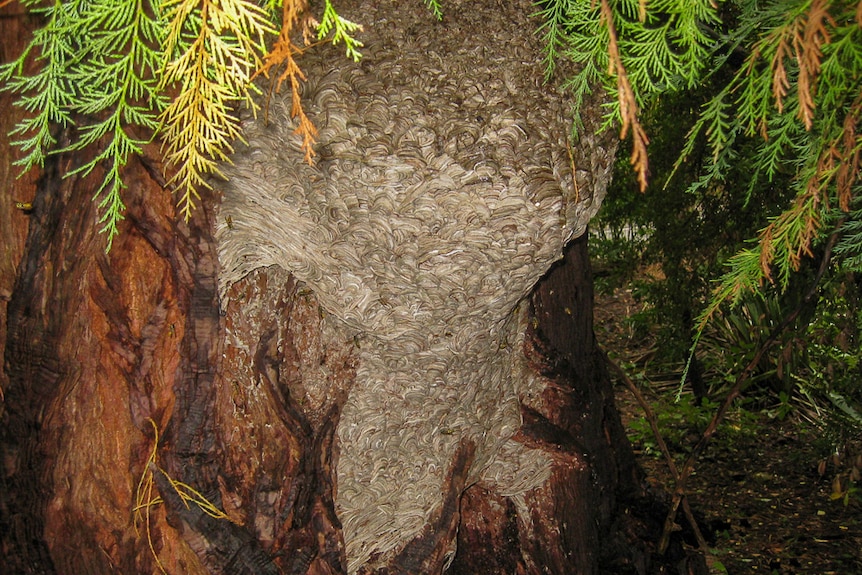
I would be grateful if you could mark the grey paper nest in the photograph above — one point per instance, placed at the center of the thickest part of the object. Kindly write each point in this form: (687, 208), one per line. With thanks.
(442, 190)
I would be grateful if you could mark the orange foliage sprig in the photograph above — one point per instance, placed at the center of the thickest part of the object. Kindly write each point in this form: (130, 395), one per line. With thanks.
(627, 100)
(294, 14)
(802, 39)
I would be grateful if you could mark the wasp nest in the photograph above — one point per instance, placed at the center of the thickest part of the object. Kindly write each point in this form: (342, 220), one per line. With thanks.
(442, 189)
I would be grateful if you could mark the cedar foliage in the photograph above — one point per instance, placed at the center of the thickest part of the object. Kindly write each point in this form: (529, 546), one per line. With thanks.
(128, 72)
(789, 111)
(798, 95)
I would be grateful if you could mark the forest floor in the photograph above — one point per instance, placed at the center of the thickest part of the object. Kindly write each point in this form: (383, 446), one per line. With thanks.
(759, 488)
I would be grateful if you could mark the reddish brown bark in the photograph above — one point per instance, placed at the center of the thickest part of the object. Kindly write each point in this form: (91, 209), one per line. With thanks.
(14, 190)
(277, 439)
(572, 520)
(135, 337)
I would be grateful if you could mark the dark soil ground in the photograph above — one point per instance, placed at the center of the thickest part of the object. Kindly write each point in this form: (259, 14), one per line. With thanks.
(760, 487)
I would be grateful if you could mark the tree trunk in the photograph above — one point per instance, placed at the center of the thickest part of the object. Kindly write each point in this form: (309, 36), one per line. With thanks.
(350, 361)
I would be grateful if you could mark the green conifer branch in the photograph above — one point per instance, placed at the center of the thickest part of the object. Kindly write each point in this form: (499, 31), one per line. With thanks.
(342, 29)
(554, 17)
(436, 9)
(634, 49)
(49, 93)
(662, 48)
(134, 70)
(212, 49)
(849, 246)
(99, 60)
(810, 140)
(117, 82)
(791, 111)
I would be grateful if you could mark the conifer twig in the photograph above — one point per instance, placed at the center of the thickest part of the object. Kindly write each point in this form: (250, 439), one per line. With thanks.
(627, 101)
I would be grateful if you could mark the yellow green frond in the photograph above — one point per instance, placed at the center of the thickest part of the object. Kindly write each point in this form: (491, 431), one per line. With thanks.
(212, 50)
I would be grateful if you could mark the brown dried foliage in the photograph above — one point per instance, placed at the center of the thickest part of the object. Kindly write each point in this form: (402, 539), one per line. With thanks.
(848, 155)
(283, 52)
(627, 101)
(840, 161)
(808, 54)
(805, 209)
(802, 39)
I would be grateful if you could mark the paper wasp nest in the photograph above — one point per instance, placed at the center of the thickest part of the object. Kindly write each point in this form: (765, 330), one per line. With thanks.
(442, 190)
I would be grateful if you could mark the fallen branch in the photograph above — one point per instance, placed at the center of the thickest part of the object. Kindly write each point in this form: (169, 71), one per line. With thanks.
(653, 423)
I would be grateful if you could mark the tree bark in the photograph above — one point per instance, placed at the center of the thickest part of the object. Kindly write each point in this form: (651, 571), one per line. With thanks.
(132, 378)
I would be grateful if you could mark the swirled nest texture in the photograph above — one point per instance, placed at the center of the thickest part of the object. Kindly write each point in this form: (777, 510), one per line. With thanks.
(443, 188)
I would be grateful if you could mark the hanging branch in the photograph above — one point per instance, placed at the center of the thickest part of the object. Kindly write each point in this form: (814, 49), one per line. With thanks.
(688, 467)
(295, 14)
